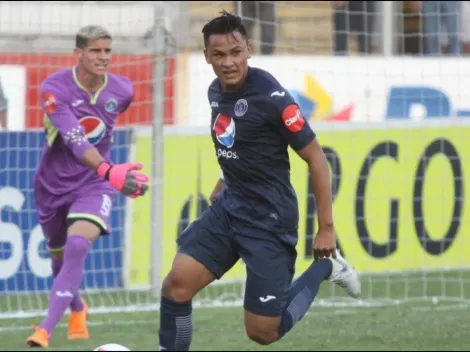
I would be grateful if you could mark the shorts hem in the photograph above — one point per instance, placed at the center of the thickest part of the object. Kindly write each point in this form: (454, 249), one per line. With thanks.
(261, 312)
(85, 217)
(55, 249)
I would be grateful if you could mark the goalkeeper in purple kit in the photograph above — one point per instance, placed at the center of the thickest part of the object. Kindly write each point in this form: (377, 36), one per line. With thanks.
(76, 182)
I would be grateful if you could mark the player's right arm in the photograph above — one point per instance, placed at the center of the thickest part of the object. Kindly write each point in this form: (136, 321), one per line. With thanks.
(59, 119)
(219, 186)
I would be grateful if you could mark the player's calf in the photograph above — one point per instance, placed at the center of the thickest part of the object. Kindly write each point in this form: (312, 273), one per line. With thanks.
(56, 263)
(68, 280)
(187, 277)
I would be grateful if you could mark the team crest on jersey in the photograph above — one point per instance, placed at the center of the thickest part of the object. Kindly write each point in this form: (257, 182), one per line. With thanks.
(94, 128)
(111, 105)
(224, 128)
(241, 106)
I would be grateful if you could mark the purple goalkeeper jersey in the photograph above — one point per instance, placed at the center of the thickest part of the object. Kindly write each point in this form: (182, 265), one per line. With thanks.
(76, 120)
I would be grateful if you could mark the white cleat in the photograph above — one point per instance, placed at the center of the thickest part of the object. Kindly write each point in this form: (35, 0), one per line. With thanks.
(345, 276)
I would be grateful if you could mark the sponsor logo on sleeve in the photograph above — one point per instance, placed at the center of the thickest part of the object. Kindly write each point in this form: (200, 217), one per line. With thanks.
(293, 118)
(49, 103)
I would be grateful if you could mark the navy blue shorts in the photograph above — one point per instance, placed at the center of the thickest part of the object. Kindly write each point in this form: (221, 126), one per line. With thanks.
(218, 241)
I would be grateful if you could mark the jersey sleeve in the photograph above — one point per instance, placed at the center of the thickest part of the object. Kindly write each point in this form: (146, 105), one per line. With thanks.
(129, 96)
(59, 119)
(287, 116)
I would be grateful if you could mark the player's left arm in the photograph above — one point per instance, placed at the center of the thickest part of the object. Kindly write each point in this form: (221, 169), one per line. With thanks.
(314, 156)
(303, 140)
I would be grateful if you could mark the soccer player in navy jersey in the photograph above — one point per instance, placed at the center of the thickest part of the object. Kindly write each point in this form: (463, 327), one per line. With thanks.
(255, 213)
(76, 181)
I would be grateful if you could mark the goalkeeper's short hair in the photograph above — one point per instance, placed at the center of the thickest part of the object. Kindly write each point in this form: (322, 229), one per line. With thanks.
(89, 33)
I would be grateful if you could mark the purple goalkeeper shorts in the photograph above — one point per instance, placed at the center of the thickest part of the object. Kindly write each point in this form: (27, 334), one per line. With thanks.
(56, 213)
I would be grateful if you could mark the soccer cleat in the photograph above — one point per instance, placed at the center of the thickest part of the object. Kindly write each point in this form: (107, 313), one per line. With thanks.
(78, 329)
(345, 276)
(40, 338)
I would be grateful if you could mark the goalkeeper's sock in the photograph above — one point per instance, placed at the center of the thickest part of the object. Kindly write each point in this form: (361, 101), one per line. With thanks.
(303, 292)
(77, 304)
(176, 325)
(67, 282)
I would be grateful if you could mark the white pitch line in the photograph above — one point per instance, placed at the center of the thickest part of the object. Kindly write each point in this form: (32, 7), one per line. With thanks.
(5, 329)
(441, 307)
(312, 312)
(11, 328)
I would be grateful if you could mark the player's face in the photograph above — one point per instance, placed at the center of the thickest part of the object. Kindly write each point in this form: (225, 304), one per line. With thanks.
(228, 54)
(95, 57)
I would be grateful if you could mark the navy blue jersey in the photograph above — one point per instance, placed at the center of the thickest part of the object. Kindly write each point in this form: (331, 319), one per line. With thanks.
(252, 130)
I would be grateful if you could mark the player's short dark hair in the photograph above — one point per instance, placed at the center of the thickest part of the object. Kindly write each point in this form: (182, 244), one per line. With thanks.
(90, 33)
(224, 24)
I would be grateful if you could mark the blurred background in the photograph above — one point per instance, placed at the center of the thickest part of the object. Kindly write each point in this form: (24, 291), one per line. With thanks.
(39, 36)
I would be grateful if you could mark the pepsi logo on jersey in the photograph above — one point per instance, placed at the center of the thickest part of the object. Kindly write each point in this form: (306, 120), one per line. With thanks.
(227, 154)
(224, 128)
(94, 128)
(293, 118)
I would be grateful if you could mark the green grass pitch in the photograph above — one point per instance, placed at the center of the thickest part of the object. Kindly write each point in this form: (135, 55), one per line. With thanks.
(392, 324)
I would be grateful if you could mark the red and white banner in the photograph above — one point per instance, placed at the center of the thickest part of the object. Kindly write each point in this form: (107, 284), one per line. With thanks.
(22, 74)
(336, 89)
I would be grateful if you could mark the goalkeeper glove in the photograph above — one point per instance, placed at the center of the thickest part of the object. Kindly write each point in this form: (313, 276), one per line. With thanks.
(123, 178)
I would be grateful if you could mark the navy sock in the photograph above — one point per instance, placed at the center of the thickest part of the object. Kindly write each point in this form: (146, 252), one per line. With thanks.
(176, 325)
(303, 292)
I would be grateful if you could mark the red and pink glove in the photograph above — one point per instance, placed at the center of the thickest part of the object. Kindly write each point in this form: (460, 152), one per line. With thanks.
(123, 178)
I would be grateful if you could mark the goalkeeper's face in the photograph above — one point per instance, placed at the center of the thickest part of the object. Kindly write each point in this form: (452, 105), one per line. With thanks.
(228, 54)
(95, 57)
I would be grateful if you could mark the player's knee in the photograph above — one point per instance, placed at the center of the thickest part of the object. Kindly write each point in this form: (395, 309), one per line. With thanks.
(262, 329)
(186, 278)
(263, 335)
(175, 288)
(178, 284)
